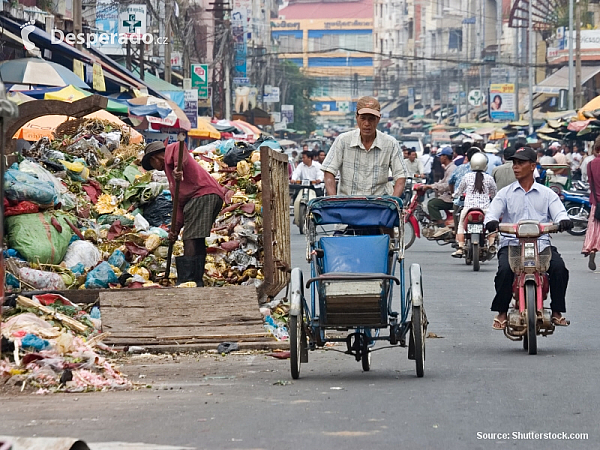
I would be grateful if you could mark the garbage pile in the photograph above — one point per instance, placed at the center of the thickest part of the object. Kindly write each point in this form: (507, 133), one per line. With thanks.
(82, 214)
(56, 346)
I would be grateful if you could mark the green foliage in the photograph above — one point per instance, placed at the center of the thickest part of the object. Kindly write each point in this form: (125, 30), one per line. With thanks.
(296, 89)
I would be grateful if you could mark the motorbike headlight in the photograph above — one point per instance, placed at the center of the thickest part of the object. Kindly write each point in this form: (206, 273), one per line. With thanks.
(529, 250)
(528, 230)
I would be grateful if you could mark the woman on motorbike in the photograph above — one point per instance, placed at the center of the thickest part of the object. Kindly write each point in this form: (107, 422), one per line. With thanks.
(479, 188)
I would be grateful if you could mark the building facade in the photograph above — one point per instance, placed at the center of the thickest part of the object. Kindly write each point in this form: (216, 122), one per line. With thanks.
(332, 42)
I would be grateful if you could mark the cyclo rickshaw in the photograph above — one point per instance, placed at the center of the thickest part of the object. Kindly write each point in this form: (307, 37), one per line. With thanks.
(351, 285)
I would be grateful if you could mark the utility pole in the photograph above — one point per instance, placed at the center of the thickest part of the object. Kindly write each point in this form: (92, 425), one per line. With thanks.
(531, 51)
(168, 12)
(142, 69)
(578, 90)
(77, 22)
(499, 23)
(570, 86)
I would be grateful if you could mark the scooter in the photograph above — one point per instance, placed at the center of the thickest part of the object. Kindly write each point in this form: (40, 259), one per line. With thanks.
(577, 204)
(476, 239)
(305, 191)
(529, 318)
(417, 220)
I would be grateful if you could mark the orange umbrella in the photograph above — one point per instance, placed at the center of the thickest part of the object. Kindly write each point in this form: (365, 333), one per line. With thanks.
(592, 105)
(46, 125)
(204, 130)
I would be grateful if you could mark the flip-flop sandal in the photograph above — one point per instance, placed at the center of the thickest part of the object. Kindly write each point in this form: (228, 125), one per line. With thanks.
(560, 322)
(501, 324)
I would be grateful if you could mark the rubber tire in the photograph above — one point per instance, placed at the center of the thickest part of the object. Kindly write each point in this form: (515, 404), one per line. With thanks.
(579, 208)
(468, 253)
(412, 235)
(366, 361)
(302, 213)
(295, 345)
(475, 247)
(530, 300)
(417, 328)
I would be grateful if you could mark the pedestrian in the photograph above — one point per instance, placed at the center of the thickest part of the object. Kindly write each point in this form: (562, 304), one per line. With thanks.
(443, 193)
(522, 200)
(584, 164)
(493, 159)
(322, 156)
(427, 160)
(503, 175)
(200, 201)
(364, 157)
(591, 244)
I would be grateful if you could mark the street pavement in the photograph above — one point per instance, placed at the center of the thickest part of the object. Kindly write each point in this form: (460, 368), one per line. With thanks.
(480, 390)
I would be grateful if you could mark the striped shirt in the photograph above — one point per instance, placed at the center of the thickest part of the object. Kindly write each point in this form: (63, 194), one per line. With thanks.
(365, 172)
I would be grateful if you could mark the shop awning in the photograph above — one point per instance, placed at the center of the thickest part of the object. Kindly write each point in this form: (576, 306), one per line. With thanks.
(560, 79)
(390, 107)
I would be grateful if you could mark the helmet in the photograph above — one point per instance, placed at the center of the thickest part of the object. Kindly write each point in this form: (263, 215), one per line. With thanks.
(479, 162)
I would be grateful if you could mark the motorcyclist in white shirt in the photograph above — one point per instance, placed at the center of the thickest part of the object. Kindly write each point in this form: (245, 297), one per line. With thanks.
(309, 170)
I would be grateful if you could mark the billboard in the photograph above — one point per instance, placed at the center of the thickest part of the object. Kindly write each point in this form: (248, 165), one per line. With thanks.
(501, 102)
(107, 21)
(287, 112)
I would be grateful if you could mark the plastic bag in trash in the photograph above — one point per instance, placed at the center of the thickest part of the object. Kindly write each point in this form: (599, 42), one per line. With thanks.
(42, 174)
(117, 259)
(78, 269)
(240, 152)
(100, 277)
(140, 223)
(41, 280)
(32, 341)
(158, 211)
(20, 186)
(82, 252)
(111, 139)
(118, 182)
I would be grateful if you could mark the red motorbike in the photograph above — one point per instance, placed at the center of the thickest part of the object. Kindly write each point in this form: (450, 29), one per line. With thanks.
(476, 239)
(417, 220)
(529, 318)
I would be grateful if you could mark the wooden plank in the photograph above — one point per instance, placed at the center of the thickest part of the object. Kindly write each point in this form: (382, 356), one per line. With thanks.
(149, 316)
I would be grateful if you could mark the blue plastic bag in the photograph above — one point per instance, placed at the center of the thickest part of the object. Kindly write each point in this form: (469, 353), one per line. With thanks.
(117, 259)
(100, 277)
(78, 269)
(21, 186)
(32, 341)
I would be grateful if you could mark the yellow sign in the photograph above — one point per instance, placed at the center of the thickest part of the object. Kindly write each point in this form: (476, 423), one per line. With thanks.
(78, 69)
(98, 78)
(502, 88)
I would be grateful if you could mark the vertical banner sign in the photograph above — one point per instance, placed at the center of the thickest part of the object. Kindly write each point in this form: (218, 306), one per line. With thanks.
(239, 27)
(411, 99)
(132, 22)
(502, 102)
(78, 69)
(107, 21)
(287, 111)
(98, 78)
(191, 106)
(200, 79)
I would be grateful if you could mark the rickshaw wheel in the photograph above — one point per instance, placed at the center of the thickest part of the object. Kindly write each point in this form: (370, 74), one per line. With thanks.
(419, 322)
(295, 345)
(296, 328)
(366, 356)
(301, 221)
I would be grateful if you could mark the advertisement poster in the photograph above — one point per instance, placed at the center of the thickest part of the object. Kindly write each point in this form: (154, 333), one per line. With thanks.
(287, 112)
(107, 21)
(501, 102)
(239, 28)
(191, 106)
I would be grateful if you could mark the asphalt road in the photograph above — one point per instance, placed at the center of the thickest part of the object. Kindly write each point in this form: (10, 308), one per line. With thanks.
(476, 381)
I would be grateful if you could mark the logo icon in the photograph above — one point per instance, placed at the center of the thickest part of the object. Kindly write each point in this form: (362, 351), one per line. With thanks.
(26, 29)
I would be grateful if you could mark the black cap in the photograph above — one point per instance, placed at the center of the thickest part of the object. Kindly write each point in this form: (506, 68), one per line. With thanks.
(525, 154)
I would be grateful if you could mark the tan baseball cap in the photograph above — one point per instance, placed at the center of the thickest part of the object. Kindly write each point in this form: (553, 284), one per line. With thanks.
(368, 105)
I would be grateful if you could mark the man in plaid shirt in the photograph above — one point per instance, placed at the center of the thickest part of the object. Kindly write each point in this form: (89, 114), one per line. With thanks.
(365, 157)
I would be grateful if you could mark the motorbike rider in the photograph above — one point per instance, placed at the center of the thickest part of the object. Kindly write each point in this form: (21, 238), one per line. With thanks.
(478, 188)
(443, 200)
(414, 165)
(309, 170)
(364, 157)
(526, 199)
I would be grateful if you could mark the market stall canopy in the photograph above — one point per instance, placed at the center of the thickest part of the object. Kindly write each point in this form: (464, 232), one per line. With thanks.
(560, 80)
(175, 120)
(46, 125)
(38, 72)
(71, 93)
(248, 128)
(204, 130)
(286, 142)
(590, 107)
(18, 97)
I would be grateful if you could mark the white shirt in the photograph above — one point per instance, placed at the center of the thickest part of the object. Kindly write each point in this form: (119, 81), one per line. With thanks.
(426, 160)
(312, 173)
(584, 164)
